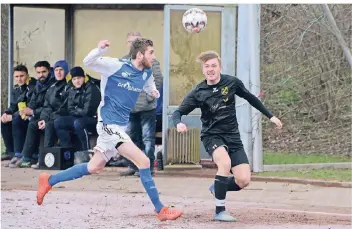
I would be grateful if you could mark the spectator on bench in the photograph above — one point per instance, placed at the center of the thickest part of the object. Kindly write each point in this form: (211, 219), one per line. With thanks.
(13, 127)
(83, 101)
(54, 105)
(32, 112)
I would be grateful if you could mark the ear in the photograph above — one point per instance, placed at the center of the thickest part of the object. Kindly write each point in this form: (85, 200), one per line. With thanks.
(139, 55)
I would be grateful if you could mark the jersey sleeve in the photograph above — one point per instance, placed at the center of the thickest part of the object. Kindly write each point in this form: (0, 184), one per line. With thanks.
(106, 66)
(242, 92)
(188, 104)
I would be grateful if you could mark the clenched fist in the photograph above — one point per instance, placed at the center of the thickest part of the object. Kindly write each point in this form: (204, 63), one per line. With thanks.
(103, 44)
(181, 128)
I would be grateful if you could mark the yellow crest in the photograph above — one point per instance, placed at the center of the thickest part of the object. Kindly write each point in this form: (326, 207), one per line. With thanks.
(225, 90)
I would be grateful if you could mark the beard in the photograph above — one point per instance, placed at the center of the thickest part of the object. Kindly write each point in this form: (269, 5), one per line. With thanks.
(42, 78)
(145, 63)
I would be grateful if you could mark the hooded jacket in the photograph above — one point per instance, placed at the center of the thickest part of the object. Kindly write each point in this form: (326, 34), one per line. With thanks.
(36, 102)
(84, 101)
(21, 94)
(55, 104)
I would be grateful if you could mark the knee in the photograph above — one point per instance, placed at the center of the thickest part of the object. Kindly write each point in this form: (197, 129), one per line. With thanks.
(57, 123)
(95, 167)
(243, 181)
(77, 124)
(144, 162)
(224, 167)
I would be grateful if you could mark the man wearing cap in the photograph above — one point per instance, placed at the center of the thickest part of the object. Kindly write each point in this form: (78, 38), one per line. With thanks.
(82, 103)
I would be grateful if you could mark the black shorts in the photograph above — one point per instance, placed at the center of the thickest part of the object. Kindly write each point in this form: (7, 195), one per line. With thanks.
(232, 144)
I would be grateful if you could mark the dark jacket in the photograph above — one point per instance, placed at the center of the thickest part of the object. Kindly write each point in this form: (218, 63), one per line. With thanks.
(36, 103)
(20, 94)
(54, 105)
(84, 101)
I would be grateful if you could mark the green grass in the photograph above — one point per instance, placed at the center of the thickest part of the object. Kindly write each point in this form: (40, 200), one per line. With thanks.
(271, 158)
(2, 146)
(324, 174)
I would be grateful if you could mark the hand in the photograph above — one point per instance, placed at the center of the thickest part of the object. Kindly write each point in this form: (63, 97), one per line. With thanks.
(27, 111)
(9, 117)
(181, 128)
(4, 118)
(277, 122)
(103, 44)
(155, 94)
(41, 124)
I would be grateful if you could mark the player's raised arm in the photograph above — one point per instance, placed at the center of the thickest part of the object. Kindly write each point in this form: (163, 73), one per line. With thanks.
(242, 92)
(103, 65)
(188, 104)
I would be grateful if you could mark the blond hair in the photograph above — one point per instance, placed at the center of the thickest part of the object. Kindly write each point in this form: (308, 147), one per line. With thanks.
(208, 55)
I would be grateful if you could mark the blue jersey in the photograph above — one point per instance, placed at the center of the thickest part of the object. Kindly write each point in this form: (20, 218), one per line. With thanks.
(120, 86)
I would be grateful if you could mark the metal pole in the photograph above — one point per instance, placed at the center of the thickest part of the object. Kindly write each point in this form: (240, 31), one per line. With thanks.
(254, 50)
(338, 34)
(166, 81)
(10, 52)
(243, 73)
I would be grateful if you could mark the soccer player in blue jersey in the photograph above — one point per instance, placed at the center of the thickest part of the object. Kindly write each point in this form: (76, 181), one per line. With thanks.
(121, 83)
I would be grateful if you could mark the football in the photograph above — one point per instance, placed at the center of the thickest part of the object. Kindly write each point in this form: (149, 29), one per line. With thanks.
(194, 20)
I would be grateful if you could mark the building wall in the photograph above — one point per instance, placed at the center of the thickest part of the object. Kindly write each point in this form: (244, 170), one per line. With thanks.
(39, 34)
(91, 26)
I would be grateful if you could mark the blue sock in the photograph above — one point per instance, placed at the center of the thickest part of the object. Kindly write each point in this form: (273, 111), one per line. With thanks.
(149, 186)
(35, 156)
(72, 173)
(18, 154)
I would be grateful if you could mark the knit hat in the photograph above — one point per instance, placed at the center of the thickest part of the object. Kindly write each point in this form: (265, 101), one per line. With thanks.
(63, 64)
(76, 72)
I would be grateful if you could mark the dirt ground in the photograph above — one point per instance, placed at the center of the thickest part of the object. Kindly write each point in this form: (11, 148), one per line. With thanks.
(110, 201)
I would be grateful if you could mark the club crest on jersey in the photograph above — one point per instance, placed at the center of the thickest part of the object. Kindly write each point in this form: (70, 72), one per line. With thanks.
(225, 90)
(126, 74)
(144, 76)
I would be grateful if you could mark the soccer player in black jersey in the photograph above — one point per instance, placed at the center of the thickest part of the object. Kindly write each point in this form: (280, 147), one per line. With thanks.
(215, 96)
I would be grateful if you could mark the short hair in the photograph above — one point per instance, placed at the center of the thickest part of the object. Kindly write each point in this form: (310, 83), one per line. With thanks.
(136, 34)
(139, 45)
(42, 63)
(208, 55)
(20, 68)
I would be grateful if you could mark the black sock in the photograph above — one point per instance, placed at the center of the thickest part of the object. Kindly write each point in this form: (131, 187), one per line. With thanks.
(232, 186)
(220, 186)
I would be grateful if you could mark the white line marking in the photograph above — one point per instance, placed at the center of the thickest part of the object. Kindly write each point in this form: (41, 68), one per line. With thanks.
(307, 212)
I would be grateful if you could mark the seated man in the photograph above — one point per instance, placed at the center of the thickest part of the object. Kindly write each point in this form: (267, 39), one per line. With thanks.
(13, 127)
(32, 112)
(83, 101)
(54, 105)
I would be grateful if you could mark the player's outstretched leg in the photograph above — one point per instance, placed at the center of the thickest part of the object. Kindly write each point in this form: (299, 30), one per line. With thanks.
(133, 153)
(223, 162)
(46, 182)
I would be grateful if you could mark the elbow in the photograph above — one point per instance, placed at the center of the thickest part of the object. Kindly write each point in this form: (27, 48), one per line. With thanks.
(86, 61)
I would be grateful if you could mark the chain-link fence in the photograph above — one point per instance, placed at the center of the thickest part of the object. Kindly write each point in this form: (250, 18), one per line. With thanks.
(306, 78)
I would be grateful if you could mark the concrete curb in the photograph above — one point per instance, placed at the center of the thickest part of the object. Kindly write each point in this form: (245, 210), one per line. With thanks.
(321, 183)
(210, 173)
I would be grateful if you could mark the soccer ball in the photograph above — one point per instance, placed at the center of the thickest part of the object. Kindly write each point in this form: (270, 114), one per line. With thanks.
(194, 20)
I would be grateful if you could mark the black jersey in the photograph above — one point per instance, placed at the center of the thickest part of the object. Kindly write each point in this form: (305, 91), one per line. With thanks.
(217, 104)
